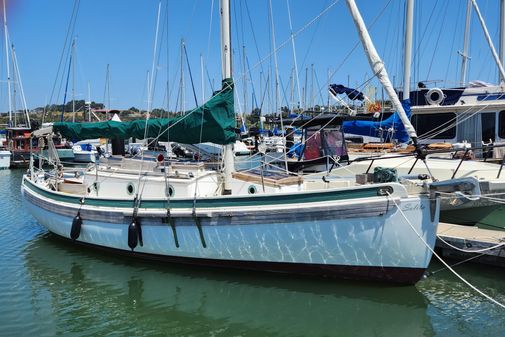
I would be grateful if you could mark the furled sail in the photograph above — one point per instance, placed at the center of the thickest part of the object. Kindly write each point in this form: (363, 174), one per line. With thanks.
(379, 69)
(215, 120)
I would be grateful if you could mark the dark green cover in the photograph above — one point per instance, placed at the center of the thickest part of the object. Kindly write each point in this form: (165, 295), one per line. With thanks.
(218, 124)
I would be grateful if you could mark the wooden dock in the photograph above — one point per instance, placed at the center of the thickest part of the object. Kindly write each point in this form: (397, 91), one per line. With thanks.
(471, 238)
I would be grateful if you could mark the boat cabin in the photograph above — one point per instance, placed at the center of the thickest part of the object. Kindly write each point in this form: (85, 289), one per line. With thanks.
(474, 114)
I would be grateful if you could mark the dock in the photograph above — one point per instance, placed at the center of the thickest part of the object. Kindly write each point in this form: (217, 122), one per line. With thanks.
(471, 238)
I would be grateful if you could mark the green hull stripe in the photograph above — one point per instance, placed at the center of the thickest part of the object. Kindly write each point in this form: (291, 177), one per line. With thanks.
(258, 200)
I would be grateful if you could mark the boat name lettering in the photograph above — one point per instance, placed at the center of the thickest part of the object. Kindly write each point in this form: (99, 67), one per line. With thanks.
(412, 207)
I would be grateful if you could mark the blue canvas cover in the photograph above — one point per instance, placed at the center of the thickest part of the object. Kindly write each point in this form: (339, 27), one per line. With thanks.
(373, 128)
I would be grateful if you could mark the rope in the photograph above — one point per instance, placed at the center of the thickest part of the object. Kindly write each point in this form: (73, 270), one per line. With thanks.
(471, 251)
(456, 264)
(442, 261)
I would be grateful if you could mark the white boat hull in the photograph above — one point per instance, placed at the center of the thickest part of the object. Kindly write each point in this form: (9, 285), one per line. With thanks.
(362, 238)
(85, 157)
(5, 159)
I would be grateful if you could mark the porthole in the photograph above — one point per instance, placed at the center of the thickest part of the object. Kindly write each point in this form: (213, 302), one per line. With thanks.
(170, 191)
(130, 188)
(96, 186)
(251, 189)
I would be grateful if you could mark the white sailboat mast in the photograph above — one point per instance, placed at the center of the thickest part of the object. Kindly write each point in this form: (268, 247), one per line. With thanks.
(466, 38)
(23, 97)
(409, 24)
(226, 72)
(89, 102)
(379, 69)
(7, 62)
(489, 41)
(151, 83)
(502, 35)
(73, 81)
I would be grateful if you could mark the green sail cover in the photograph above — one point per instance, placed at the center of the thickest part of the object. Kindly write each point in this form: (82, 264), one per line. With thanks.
(218, 124)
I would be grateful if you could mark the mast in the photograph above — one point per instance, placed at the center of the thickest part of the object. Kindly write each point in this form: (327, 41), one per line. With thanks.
(14, 88)
(73, 82)
(294, 53)
(229, 165)
(489, 41)
(292, 91)
(305, 89)
(276, 65)
(182, 88)
(22, 91)
(202, 78)
(409, 23)
(464, 53)
(311, 97)
(245, 78)
(8, 63)
(89, 102)
(502, 35)
(107, 89)
(379, 68)
(151, 83)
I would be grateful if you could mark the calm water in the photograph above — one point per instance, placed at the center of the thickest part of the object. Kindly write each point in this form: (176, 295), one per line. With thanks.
(49, 287)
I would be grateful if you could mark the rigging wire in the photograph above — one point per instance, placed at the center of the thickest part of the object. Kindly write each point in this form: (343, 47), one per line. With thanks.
(452, 44)
(298, 32)
(443, 15)
(294, 52)
(375, 19)
(64, 52)
(190, 74)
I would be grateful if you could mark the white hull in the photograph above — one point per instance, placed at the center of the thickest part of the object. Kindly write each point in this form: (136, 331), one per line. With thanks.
(363, 238)
(5, 159)
(85, 156)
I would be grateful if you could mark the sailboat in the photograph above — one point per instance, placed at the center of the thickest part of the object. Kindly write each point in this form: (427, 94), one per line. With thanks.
(17, 134)
(376, 232)
(464, 114)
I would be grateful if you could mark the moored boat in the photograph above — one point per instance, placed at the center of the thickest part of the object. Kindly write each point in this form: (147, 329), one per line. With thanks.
(5, 159)
(336, 233)
(379, 232)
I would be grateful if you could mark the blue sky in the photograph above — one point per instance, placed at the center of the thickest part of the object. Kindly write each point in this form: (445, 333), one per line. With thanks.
(121, 33)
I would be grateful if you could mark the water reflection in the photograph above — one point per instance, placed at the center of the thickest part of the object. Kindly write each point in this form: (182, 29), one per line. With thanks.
(455, 309)
(100, 294)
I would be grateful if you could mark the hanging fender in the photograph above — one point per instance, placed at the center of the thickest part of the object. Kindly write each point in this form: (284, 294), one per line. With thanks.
(75, 230)
(133, 235)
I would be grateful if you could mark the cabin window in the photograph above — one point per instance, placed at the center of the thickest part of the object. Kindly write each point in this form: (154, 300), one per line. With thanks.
(488, 126)
(501, 124)
(435, 126)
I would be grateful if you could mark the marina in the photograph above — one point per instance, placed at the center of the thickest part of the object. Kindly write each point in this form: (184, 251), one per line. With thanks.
(51, 286)
(248, 206)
